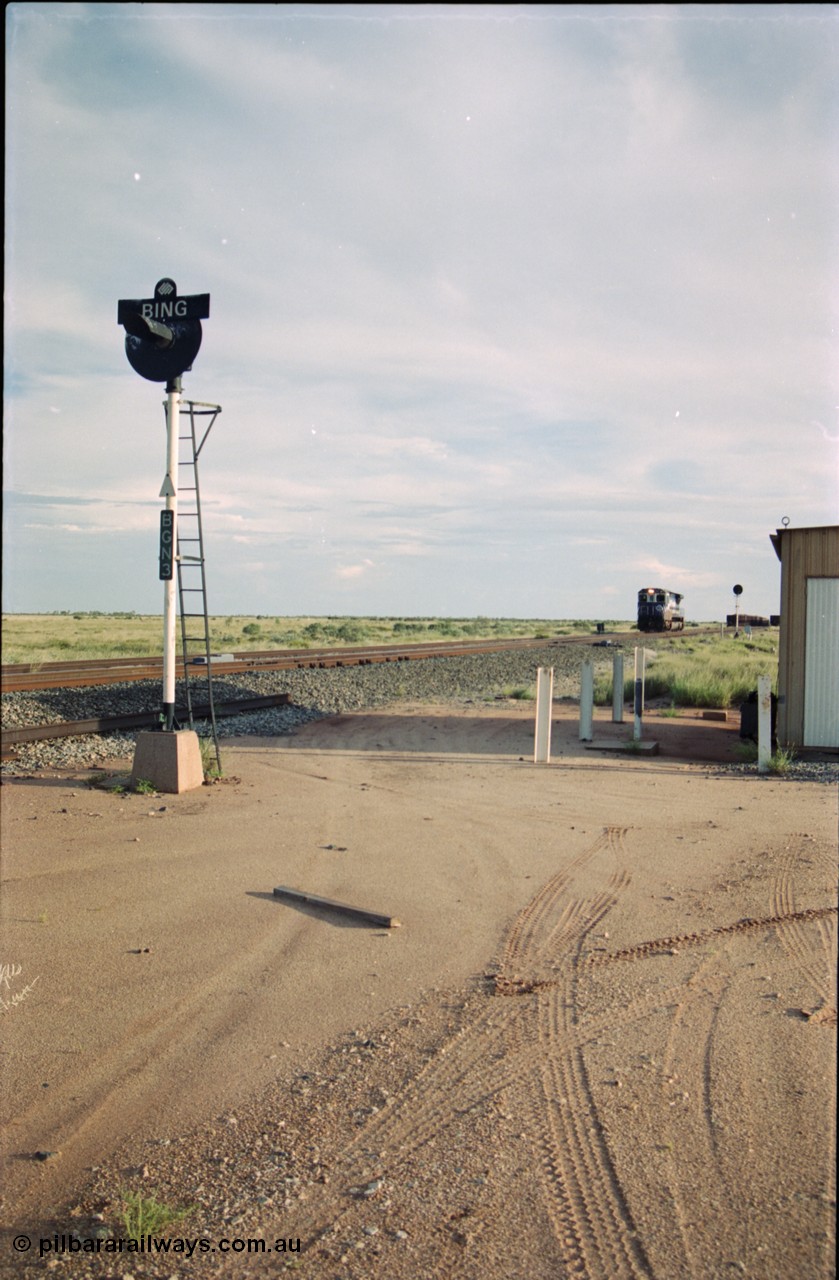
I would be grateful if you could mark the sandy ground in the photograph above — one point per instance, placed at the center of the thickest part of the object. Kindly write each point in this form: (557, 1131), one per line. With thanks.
(601, 1044)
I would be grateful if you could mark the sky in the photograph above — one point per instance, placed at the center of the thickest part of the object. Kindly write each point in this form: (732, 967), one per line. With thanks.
(514, 309)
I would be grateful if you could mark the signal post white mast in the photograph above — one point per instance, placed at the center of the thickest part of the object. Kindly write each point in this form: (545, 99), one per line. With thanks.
(169, 541)
(163, 336)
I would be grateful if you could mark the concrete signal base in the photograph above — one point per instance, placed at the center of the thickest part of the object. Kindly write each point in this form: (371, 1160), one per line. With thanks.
(170, 761)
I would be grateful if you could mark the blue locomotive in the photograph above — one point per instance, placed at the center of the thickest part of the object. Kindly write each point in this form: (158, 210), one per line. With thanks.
(660, 610)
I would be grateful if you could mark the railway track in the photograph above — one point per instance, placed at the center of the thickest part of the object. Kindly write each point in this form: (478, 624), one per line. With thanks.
(134, 720)
(20, 677)
(23, 677)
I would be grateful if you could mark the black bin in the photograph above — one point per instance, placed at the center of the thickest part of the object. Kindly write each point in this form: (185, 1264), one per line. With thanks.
(748, 717)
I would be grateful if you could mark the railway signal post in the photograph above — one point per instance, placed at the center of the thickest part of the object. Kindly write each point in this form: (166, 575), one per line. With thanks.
(168, 549)
(162, 338)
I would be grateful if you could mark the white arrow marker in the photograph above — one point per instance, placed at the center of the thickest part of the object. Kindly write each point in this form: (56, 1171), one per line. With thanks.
(168, 489)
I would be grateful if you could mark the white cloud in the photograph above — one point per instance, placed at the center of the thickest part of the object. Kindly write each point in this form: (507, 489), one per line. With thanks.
(687, 578)
(465, 273)
(347, 572)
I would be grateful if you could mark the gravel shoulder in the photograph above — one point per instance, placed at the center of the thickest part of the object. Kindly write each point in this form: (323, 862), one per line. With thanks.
(601, 1043)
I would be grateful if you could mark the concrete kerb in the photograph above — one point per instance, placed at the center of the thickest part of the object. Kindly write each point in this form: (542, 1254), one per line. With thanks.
(631, 747)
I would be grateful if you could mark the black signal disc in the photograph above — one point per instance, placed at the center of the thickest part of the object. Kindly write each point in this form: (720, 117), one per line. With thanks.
(161, 364)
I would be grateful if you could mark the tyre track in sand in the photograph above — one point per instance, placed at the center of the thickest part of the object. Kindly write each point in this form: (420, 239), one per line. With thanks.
(811, 951)
(589, 1215)
(694, 1160)
(685, 1089)
(530, 1048)
(456, 1079)
(523, 1045)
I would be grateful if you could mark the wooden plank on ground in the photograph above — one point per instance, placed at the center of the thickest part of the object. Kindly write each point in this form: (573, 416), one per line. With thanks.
(314, 899)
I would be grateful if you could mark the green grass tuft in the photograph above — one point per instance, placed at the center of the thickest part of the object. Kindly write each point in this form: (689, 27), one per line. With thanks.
(782, 760)
(209, 761)
(146, 1215)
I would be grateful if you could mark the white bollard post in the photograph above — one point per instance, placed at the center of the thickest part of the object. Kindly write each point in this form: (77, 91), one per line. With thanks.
(586, 701)
(764, 723)
(639, 693)
(617, 689)
(544, 702)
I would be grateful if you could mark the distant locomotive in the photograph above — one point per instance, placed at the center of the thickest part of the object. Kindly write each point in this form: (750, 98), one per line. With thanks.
(660, 610)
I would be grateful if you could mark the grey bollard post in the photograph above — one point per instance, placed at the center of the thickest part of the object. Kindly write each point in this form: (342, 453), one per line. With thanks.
(639, 693)
(544, 703)
(617, 689)
(764, 723)
(586, 701)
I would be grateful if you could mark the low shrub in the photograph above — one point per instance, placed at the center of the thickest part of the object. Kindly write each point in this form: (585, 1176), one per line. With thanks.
(146, 1215)
(520, 693)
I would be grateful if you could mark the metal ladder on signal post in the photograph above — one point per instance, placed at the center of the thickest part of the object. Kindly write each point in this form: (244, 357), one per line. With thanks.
(194, 428)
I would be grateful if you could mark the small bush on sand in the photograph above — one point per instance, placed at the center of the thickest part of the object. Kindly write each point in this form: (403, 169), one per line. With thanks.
(146, 1215)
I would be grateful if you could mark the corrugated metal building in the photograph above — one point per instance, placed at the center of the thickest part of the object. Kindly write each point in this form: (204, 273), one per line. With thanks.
(808, 654)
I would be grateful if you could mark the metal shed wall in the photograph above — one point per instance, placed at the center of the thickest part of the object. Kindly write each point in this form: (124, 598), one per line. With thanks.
(804, 554)
(821, 664)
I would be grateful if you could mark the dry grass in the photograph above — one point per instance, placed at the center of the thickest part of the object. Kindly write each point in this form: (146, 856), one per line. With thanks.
(55, 637)
(707, 671)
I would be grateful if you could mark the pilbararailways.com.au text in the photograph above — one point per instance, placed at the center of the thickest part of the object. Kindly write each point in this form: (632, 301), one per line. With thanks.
(165, 1244)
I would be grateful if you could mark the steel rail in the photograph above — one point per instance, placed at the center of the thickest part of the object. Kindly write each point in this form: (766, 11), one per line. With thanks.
(258, 655)
(302, 655)
(133, 720)
(20, 678)
(23, 677)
